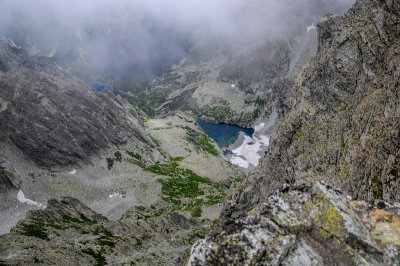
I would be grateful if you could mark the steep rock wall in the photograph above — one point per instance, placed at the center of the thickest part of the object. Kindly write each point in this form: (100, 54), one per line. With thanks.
(341, 120)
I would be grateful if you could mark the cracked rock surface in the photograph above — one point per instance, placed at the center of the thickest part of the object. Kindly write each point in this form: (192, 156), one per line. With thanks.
(308, 224)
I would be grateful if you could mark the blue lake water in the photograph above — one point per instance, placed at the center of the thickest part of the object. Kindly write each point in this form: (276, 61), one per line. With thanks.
(100, 87)
(223, 134)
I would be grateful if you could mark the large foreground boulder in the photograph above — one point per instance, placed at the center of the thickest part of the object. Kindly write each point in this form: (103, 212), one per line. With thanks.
(308, 224)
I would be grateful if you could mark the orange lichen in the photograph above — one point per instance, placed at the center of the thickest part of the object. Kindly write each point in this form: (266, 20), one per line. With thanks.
(386, 226)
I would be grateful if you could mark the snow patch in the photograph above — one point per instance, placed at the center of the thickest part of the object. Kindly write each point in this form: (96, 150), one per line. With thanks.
(310, 28)
(113, 195)
(233, 86)
(264, 140)
(239, 162)
(259, 127)
(250, 152)
(21, 198)
(72, 172)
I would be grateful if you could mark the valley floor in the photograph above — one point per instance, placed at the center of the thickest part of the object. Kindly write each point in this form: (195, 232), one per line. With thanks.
(184, 172)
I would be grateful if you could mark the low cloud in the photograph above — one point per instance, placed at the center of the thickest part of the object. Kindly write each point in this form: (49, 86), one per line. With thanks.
(146, 35)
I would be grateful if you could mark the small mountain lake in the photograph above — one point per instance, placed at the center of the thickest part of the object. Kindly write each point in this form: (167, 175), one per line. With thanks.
(100, 87)
(223, 134)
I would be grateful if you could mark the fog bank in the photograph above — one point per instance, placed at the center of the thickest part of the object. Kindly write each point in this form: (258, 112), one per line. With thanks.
(124, 37)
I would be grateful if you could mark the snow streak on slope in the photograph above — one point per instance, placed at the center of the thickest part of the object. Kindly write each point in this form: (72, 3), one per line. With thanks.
(21, 198)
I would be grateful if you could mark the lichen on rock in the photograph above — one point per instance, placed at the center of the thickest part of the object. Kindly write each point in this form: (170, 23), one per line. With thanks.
(311, 223)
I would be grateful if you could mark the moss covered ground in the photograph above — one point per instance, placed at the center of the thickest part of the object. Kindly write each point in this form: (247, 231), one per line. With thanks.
(182, 188)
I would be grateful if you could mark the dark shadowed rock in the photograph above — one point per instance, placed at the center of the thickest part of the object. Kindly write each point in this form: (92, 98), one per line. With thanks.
(8, 180)
(56, 121)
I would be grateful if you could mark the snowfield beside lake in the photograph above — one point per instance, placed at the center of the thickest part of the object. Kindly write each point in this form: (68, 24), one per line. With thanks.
(247, 151)
(250, 152)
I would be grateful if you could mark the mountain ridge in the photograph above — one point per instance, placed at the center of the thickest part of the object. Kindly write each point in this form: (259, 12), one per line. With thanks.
(339, 125)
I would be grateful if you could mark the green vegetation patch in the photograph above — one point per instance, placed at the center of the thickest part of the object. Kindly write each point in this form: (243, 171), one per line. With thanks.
(377, 187)
(162, 128)
(100, 230)
(105, 241)
(110, 163)
(180, 188)
(201, 140)
(184, 189)
(136, 158)
(215, 199)
(191, 77)
(155, 141)
(249, 92)
(204, 140)
(117, 158)
(196, 212)
(100, 259)
(38, 228)
(149, 101)
(214, 224)
(256, 114)
(242, 85)
(220, 112)
(260, 102)
(236, 179)
(83, 219)
(176, 159)
(35, 229)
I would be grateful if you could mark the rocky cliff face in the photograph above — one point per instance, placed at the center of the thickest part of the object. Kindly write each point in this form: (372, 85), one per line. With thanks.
(341, 119)
(57, 121)
(340, 124)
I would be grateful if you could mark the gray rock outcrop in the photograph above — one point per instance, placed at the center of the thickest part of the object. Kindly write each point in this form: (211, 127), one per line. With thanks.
(69, 233)
(309, 224)
(57, 121)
